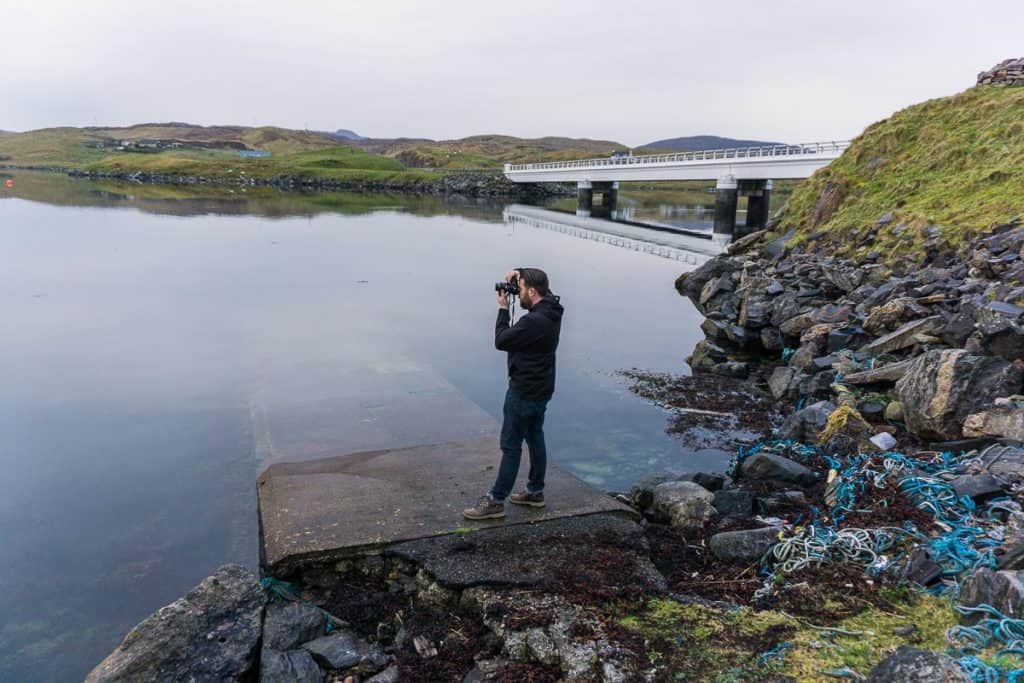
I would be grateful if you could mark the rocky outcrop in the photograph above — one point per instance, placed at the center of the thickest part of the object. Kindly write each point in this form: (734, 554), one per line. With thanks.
(911, 665)
(941, 388)
(213, 633)
(815, 327)
(1006, 72)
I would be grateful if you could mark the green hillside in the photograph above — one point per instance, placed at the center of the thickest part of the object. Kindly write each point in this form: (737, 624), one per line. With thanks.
(488, 151)
(955, 162)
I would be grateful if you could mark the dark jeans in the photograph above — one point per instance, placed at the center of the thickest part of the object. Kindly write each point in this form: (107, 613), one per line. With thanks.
(524, 419)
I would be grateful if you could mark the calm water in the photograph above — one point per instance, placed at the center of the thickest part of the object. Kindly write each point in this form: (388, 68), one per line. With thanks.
(141, 328)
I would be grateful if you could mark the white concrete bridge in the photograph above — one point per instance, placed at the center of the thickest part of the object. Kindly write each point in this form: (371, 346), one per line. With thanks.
(745, 171)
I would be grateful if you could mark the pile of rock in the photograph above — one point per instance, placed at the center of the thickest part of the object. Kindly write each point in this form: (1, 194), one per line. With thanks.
(936, 349)
(225, 630)
(1006, 72)
(769, 488)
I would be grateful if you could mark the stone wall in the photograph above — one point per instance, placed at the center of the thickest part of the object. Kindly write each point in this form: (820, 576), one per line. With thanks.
(1006, 72)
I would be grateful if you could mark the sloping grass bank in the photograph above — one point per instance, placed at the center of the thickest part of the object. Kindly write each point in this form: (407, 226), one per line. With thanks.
(955, 162)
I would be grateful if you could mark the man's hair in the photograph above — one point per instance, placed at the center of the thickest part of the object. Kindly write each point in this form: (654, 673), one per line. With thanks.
(536, 278)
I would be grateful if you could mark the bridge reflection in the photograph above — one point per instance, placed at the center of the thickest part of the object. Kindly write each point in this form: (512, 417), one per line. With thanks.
(693, 248)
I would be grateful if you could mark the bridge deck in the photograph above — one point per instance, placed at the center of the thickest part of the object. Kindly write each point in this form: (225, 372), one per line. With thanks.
(745, 163)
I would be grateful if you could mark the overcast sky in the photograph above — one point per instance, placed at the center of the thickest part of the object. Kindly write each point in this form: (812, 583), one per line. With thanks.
(797, 70)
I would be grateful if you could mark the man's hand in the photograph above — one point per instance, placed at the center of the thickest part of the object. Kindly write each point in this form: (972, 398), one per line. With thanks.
(503, 299)
(510, 275)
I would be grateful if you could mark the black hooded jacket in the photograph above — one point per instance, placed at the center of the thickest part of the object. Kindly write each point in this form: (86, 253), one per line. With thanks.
(531, 345)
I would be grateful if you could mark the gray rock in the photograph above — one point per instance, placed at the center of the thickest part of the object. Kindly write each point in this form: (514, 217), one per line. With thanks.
(796, 325)
(804, 425)
(781, 383)
(1002, 329)
(1001, 421)
(884, 374)
(1004, 590)
(712, 481)
(706, 356)
(296, 666)
(212, 633)
(343, 650)
(803, 357)
(288, 625)
(748, 545)
(941, 388)
(769, 467)
(388, 675)
(894, 411)
(732, 368)
(850, 337)
(733, 502)
(901, 338)
(641, 493)
(683, 504)
(911, 665)
(979, 487)
(780, 502)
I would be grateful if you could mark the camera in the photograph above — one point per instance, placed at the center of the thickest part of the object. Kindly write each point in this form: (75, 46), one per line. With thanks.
(510, 288)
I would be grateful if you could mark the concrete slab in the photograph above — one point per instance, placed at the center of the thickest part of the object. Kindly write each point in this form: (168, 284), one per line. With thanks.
(310, 412)
(312, 512)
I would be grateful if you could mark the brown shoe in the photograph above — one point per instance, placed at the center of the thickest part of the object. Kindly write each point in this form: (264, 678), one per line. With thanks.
(535, 500)
(487, 508)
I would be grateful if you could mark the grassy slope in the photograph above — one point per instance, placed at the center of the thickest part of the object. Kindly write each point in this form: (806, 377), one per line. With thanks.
(488, 151)
(956, 162)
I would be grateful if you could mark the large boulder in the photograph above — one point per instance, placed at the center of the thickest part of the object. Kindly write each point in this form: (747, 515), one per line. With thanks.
(683, 504)
(941, 388)
(911, 665)
(747, 545)
(770, 467)
(1003, 590)
(213, 633)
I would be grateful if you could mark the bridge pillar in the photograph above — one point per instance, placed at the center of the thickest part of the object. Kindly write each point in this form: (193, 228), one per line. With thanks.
(758, 202)
(584, 198)
(609, 195)
(726, 193)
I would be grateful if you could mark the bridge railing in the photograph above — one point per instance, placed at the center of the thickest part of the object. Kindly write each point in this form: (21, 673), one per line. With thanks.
(761, 152)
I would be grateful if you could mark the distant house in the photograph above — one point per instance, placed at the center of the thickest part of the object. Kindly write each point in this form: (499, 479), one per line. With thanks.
(253, 153)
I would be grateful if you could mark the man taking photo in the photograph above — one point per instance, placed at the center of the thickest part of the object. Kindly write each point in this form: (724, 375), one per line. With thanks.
(531, 345)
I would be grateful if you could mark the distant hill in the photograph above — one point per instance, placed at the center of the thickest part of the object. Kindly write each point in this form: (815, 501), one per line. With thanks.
(486, 151)
(188, 149)
(346, 134)
(699, 143)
